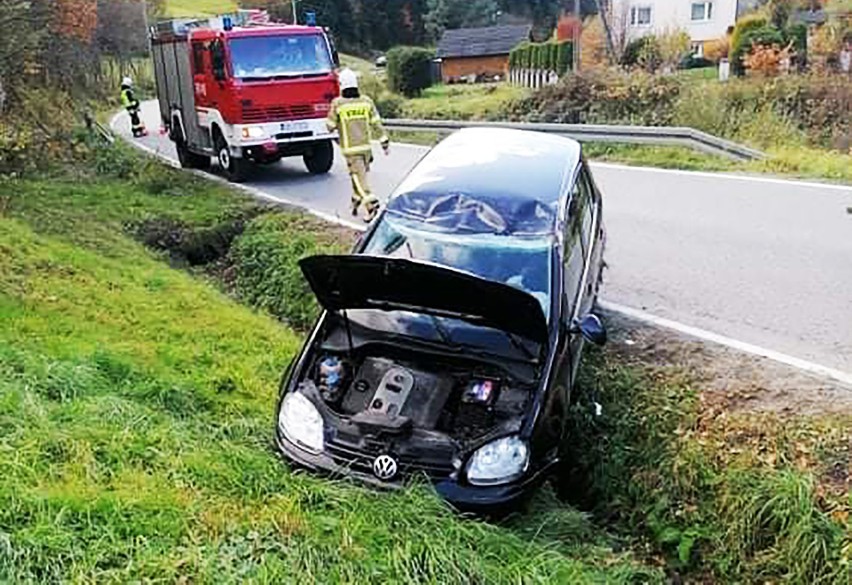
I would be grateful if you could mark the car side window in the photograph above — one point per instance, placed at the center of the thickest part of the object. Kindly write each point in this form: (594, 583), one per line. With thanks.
(574, 253)
(198, 57)
(588, 207)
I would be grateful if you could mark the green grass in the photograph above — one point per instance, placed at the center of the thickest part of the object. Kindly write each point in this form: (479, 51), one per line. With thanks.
(181, 8)
(719, 492)
(356, 63)
(699, 74)
(664, 157)
(136, 411)
(463, 102)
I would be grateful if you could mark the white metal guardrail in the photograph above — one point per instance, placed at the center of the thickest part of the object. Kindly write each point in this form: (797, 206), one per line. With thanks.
(664, 135)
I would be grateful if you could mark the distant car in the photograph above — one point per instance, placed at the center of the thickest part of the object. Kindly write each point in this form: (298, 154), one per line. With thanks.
(381, 61)
(449, 342)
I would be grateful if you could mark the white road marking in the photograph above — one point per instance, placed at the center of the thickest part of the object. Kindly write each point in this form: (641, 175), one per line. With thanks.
(742, 346)
(637, 314)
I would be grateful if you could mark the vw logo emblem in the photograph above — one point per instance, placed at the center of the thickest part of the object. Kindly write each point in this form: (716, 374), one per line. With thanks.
(385, 467)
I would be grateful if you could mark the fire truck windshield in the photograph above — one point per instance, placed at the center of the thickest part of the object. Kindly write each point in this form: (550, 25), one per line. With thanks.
(269, 57)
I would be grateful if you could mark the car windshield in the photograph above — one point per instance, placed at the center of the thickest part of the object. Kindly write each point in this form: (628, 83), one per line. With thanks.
(280, 56)
(521, 262)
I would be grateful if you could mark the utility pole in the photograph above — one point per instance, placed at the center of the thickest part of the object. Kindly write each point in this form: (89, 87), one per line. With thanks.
(575, 50)
(295, 13)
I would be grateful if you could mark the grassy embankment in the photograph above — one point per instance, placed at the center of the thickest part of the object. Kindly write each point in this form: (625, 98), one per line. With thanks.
(136, 408)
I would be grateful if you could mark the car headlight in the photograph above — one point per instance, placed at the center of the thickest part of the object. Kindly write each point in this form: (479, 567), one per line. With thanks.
(253, 132)
(500, 461)
(300, 421)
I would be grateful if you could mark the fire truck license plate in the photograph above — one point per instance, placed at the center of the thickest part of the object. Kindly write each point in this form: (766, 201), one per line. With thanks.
(294, 126)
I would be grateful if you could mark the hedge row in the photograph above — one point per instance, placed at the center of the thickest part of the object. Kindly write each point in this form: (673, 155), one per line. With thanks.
(549, 56)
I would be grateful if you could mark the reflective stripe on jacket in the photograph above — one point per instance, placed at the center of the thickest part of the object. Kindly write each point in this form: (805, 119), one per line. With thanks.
(127, 99)
(356, 119)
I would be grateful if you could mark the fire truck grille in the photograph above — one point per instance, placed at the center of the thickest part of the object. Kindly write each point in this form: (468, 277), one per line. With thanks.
(276, 113)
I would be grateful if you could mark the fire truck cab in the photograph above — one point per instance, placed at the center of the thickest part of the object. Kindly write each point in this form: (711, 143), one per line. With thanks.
(245, 94)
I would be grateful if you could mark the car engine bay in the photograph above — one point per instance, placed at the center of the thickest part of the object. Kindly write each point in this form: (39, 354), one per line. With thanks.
(393, 394)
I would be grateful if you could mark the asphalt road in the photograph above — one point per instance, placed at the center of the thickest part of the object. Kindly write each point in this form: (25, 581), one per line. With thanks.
(761, 261)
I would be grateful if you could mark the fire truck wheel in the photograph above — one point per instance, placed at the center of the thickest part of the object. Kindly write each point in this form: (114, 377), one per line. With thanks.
(320, 159)
(236, 169)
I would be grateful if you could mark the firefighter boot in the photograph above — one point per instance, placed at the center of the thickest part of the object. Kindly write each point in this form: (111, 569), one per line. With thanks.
(371, 206)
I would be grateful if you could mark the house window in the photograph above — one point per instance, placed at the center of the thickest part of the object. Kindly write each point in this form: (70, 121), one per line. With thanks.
(640, 15)
(702, 11)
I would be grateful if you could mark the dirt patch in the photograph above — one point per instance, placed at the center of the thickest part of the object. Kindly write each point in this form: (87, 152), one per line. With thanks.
(729, 378)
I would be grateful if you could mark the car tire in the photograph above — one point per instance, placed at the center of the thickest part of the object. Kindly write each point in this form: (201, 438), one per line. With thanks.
(189, 159)
(320, 159)
(235, 169)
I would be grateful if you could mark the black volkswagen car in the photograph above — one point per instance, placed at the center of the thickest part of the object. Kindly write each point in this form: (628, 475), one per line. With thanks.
(450, 339)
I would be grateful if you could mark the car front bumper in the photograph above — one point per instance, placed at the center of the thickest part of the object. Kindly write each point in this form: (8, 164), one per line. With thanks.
(465, 497)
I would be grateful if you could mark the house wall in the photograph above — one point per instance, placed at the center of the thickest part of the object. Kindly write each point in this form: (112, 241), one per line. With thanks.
(455, 68)
(668, 14)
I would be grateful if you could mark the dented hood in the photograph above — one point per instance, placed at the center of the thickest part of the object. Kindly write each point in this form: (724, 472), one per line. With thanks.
(393, 284)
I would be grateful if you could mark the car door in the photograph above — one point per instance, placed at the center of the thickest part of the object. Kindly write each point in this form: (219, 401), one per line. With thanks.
(573, 269)
(576, 264)
(592, 236)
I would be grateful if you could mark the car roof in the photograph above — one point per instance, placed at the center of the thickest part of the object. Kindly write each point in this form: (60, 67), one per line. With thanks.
(495, 180)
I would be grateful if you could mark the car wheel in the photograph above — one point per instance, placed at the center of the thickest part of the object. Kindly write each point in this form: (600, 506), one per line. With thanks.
(320, 159)
(236, 169)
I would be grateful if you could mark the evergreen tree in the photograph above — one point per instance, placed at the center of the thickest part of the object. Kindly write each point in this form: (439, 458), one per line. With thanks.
(449, 14)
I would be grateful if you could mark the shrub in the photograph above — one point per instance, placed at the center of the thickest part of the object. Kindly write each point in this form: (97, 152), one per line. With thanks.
(409, 70)
(564, 57)
(740, 44)
(266, 266)
(388, 103)
(602, 97)
(549, 56)
(717, 49)
(644, 51)
(765, 60)
(674, 47)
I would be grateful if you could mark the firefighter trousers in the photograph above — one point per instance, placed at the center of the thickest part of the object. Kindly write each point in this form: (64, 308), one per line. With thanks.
(359, 167)
(136, 124)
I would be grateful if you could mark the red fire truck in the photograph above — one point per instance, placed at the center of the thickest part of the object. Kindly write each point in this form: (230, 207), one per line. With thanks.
(245, 93)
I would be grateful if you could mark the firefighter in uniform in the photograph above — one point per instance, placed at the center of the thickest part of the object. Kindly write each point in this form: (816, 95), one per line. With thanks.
(131, 104)
(355, 117)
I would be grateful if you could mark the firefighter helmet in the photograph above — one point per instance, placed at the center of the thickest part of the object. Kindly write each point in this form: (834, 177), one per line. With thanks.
(126, 82)
(348, 79)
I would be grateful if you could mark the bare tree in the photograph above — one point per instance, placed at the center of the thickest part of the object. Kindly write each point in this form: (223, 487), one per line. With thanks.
(603, 11)
(615, 15)
(121, 28)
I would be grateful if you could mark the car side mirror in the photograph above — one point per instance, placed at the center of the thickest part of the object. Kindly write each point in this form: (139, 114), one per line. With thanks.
(591, 328)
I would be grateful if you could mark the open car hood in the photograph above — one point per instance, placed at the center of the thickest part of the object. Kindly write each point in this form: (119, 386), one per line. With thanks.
(394, 284)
